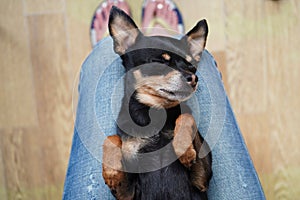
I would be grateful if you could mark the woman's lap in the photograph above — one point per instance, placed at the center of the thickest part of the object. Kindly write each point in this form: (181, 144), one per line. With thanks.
(100, 93)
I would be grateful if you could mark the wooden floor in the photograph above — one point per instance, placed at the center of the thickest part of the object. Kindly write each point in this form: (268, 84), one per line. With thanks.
(43, 43)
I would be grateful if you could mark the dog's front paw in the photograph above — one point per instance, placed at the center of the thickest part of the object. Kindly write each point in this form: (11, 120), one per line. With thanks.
(112, 168)
(112, 161)
(113, 178)
(184, 134)
(189, 157)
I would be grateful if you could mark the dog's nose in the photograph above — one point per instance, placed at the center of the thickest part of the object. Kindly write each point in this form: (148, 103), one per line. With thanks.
(192, 80)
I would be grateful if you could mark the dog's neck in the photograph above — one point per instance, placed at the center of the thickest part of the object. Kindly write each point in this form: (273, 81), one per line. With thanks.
(136, 115)
(139, 112)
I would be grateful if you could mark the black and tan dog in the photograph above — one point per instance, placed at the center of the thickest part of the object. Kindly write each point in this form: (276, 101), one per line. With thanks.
(155, 154)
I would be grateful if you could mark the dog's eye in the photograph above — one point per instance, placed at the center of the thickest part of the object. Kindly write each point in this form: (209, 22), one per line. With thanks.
(165, 58)
(159, 60)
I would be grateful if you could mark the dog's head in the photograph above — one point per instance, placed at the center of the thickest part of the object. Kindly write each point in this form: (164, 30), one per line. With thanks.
(161, 70)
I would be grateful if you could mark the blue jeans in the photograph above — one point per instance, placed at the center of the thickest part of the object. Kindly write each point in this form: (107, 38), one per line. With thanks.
(100, 94)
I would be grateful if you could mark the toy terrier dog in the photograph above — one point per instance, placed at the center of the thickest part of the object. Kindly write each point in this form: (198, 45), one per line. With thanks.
(156, 152)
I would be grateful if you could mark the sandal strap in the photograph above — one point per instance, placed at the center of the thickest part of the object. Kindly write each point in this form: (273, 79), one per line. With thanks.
(159, 21)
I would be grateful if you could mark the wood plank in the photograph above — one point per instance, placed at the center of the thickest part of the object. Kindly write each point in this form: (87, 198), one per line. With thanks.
(246, 63)
(213, 12)
(82, 12)
(17, 101)
(53, 80)
(220, 57)
(255, 129)
(13, 168)
(283, 23)
(25, 110)
(3, 189)
(43, 6)
(14, 165)
(77, 37)
(36, 157)
(78, 43)
(262, 67)
(32, 167)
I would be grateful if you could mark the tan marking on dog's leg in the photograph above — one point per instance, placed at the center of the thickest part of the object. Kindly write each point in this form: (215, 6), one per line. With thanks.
(184, 133)
(187, 143)
(112, 172)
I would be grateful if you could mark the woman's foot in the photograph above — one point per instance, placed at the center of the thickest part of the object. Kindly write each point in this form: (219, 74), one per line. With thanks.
(161, 17)
(101, 16)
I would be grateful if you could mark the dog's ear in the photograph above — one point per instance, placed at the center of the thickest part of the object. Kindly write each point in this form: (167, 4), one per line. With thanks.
(196, 39)
(122, 29)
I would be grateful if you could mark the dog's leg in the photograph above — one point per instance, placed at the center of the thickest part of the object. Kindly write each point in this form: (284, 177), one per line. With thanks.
(187, 143)
(201, 171)
(112, 170)
(184, 133)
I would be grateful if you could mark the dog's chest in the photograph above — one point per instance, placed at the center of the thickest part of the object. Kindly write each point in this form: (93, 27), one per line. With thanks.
(134, 146)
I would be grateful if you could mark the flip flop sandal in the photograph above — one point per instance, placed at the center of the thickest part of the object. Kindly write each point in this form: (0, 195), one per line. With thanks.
(93, 33)
(162, 22)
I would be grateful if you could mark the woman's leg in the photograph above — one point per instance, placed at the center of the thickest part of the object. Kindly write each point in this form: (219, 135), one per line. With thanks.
(234, 176)
(100, 94)
(84, 174)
